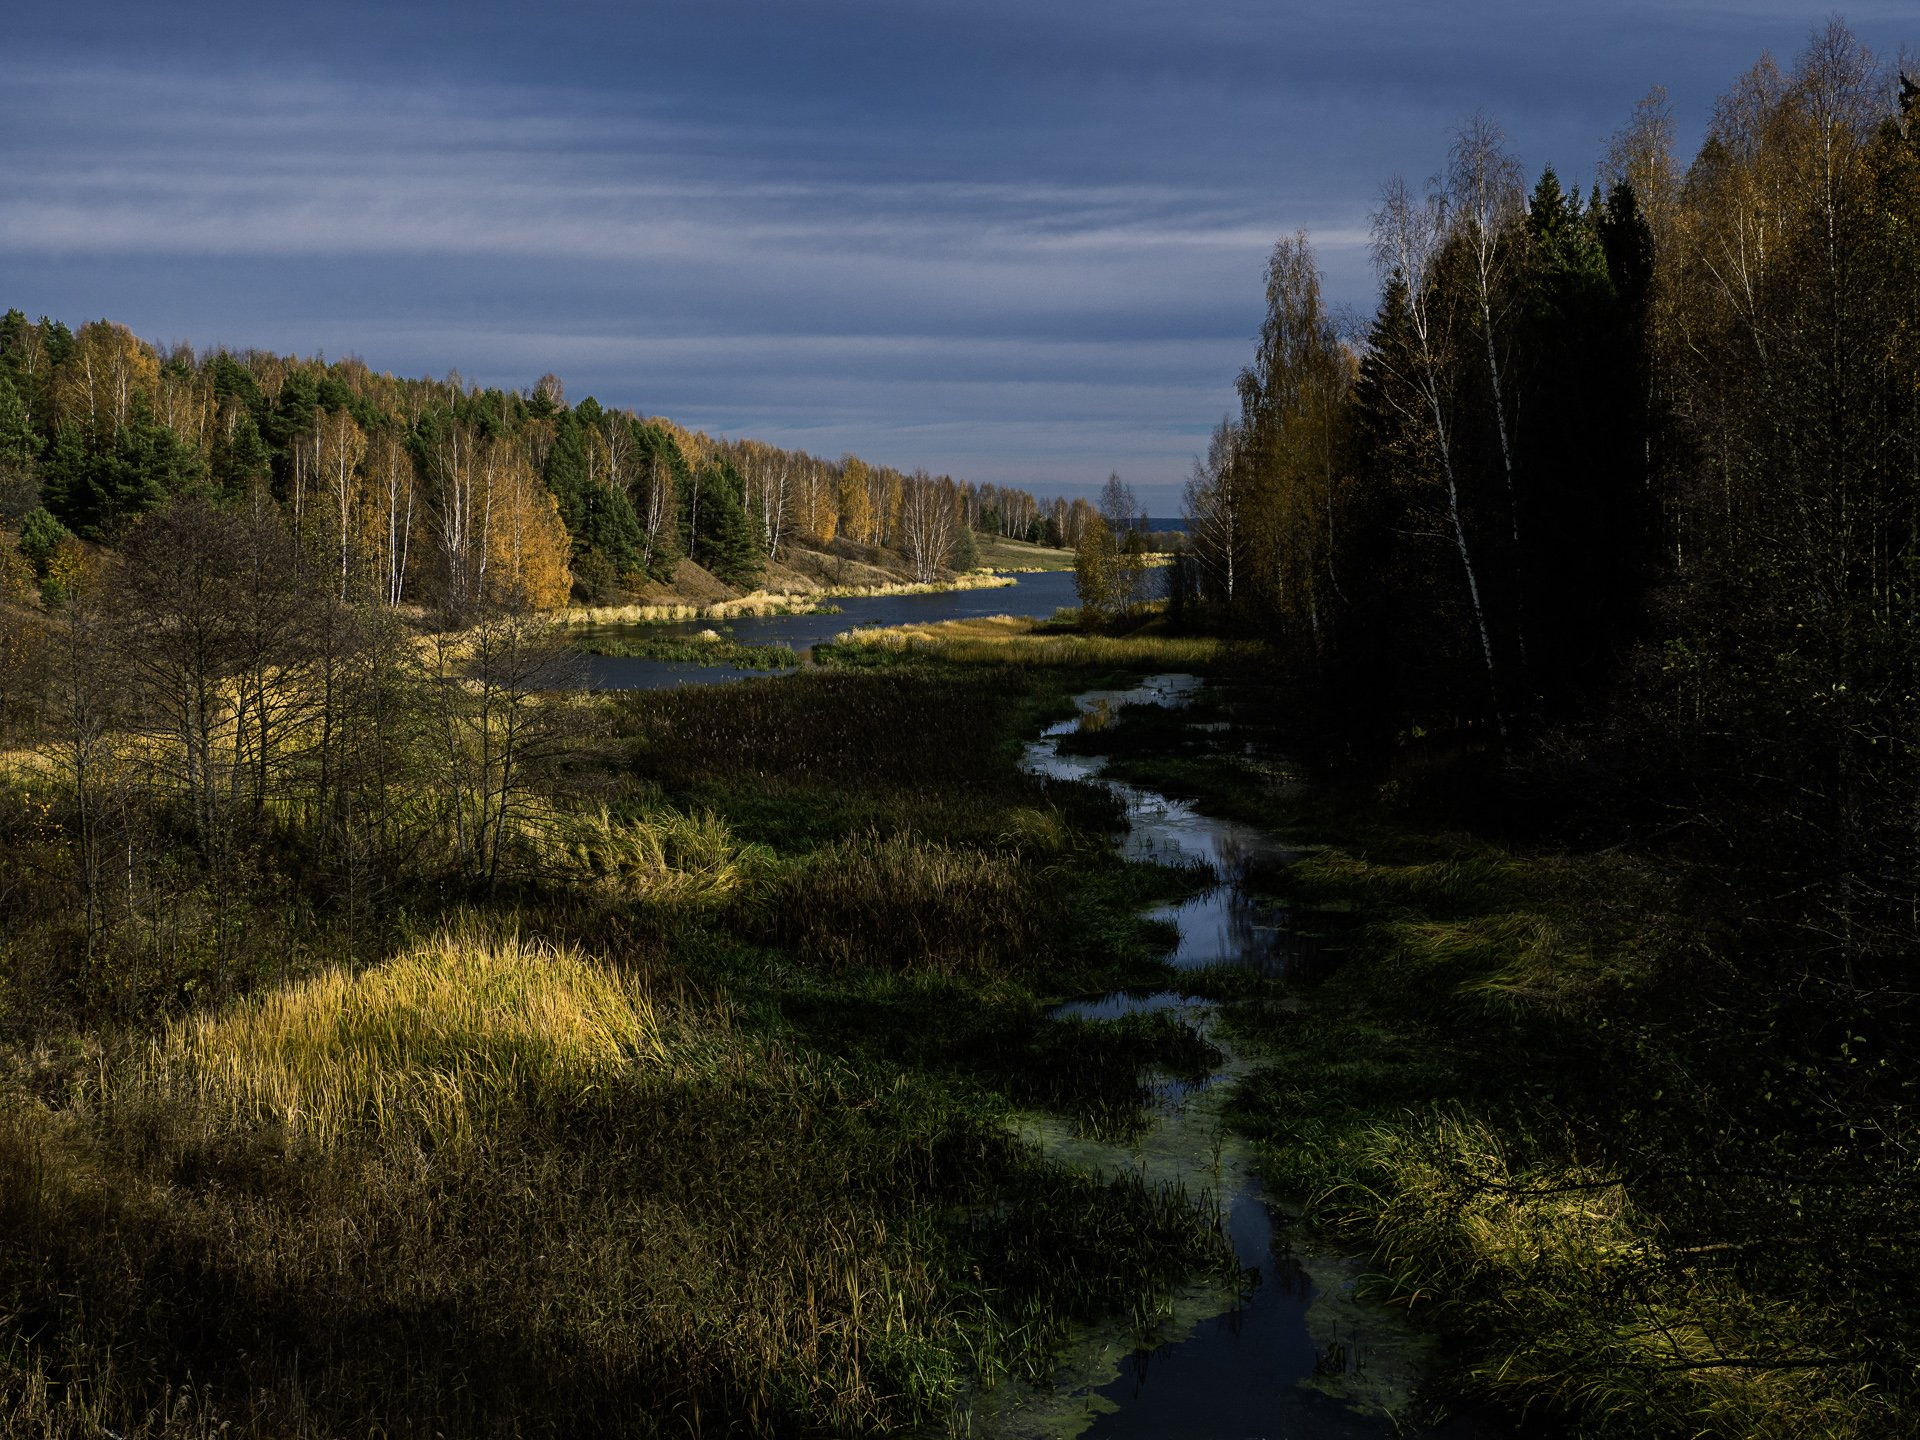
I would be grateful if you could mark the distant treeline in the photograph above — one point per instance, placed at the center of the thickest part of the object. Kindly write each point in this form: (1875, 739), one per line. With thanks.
(1632, 476)
(438, 492)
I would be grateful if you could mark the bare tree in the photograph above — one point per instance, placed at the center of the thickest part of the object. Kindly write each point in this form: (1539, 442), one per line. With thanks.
(1407, 239)
(499, 729)
(1486, 200)
(929, 523)
(1213, 509)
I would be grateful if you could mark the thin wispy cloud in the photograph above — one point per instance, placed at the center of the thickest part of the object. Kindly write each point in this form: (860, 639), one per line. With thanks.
(1014, 242)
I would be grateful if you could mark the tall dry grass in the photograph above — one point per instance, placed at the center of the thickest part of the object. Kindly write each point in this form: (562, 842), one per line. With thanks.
(1589, 1305)
(762, 602)
(665, 857)
(905, 903)
(438, 1042)
(1014, 640)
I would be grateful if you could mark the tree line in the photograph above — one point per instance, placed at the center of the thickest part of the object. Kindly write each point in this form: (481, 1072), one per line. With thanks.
(1632, 474)
(436, 492)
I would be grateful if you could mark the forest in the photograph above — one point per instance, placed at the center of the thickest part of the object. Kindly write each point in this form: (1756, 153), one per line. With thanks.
(438, 494)
(398, 1035)
(1599, 540)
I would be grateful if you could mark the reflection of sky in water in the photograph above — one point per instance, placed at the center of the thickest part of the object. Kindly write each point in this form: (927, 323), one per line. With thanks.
(1244, 1367)
(1117, 1004)
(1221, 925)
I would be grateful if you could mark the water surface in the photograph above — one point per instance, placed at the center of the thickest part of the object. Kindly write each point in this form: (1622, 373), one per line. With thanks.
(1034, 596)
(1294, 1351)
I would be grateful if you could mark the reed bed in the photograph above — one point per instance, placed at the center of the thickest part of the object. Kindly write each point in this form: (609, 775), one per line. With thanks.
(901, 902)
(1573, 1199)
(666, 858)
(1580, 1301)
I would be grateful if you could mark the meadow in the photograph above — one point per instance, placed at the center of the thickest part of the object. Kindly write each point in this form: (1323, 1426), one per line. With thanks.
(691, 1121)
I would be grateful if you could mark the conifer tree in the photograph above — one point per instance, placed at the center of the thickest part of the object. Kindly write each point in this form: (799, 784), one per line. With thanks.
(19, 485)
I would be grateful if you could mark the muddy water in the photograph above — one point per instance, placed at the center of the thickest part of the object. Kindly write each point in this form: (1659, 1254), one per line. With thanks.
(1294, 1352)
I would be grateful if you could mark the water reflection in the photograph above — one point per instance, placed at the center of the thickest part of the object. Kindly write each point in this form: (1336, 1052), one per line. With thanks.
(1292, 1351)
(1223, 925)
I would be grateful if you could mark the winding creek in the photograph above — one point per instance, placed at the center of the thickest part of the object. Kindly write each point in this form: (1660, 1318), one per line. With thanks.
(1295, 1352)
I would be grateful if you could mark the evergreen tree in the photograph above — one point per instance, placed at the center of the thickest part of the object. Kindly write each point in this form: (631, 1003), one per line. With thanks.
(96, 488)
(659, 477)
(1581, 457)
(19, 488)
(241, 461)
(598, 516)
(718, 534)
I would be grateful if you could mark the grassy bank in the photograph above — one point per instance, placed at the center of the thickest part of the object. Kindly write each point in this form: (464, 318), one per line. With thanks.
(1020, 556)
(1637, 1198)
(813, 601)
(693, 1125)
(1007, 640)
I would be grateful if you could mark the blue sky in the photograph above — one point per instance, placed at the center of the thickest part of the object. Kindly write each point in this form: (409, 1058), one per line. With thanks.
(1018, 242)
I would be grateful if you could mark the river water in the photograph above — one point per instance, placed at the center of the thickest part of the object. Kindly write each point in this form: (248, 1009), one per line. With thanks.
(1037, 595)
(1296, 1352)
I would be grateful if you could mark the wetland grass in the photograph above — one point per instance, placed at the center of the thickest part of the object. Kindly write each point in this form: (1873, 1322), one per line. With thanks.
(437, 1042)
(1509, 1092)
(1012, 640)
(658, 1140)
(708, 647)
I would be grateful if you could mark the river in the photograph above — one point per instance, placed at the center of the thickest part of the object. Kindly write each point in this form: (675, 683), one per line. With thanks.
(1036, 595)
(1296, 1352)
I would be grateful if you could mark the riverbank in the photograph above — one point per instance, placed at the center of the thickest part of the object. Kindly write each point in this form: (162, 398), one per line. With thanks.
(1577, 1151)
(764, 602)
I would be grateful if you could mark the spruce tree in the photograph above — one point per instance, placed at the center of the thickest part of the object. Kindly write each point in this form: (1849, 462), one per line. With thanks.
(19, 488)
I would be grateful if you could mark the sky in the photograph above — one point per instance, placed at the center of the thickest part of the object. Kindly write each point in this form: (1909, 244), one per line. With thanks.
(1017, 241)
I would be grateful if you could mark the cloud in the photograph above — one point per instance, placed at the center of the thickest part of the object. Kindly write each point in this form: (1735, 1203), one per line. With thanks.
(1027, 239)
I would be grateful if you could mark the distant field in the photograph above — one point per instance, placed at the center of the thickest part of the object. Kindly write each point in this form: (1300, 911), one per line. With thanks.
(1019, 555)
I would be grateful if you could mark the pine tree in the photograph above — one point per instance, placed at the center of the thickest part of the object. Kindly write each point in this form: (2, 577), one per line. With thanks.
(719, 534)
(19, 487)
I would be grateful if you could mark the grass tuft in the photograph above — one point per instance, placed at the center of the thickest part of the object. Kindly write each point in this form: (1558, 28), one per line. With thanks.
(666, 857)
(903, 903)
(438, 1042)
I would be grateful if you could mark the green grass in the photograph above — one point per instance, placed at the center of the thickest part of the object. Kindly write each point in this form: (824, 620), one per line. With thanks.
(998, 553)
(693, 1127)
(709, 647)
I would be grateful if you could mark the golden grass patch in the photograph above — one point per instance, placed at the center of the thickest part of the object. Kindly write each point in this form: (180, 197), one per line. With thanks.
(440, 1040)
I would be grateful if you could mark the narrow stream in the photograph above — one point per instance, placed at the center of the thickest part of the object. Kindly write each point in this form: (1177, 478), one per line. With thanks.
(1295, 1354)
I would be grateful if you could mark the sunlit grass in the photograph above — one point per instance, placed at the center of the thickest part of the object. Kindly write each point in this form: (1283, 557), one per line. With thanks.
(1589, 1307)
(439, 1040)
(1015, 640)
(762, 602)
(667, 857)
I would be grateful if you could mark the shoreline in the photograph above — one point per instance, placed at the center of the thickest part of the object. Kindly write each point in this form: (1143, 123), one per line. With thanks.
(763, 602)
